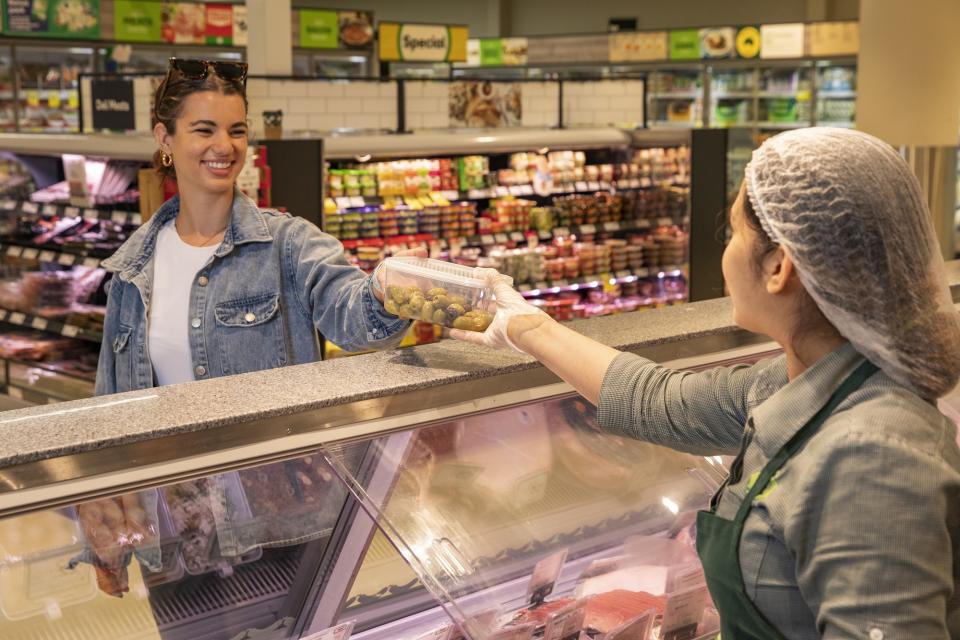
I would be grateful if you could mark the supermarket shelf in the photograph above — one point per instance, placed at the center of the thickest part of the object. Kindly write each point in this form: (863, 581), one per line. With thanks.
(668, 124)
(50, 256)
(778, 94)
(598, 280)
(837, 94)
(50, 326)
(25, 207)
(783, 125)
(118, 147)
(846, 124)
(732, 95)
(674, 95)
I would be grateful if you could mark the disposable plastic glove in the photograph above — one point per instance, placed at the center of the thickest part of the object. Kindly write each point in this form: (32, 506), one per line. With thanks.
(510, 304)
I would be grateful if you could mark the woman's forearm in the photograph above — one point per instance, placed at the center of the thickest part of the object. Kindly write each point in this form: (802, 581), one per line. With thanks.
(578, 360)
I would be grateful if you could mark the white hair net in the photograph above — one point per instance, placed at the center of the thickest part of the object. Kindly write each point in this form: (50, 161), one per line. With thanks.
(850, 214)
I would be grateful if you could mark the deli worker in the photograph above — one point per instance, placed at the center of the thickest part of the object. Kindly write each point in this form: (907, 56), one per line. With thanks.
(841, 514)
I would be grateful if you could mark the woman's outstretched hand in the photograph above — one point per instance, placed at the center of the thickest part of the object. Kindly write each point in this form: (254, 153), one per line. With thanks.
(514, 316)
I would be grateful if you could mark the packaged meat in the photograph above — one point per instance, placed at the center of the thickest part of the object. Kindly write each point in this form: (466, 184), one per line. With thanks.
(566, 623)
(35, 552)
(638, 628)
(607, 611)
(117, 527)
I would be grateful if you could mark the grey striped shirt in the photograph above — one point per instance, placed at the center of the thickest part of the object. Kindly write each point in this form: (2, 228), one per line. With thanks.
(858, 535)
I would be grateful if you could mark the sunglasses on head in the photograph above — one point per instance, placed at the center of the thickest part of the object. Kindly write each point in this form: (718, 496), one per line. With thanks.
(181, 68)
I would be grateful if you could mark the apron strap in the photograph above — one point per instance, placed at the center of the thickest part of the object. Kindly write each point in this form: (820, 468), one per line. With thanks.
(851, 384)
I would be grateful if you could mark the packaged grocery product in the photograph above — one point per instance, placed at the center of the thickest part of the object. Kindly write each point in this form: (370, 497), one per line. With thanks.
(438, 292)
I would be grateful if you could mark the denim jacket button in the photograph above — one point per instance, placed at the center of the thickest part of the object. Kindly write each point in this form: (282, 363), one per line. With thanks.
(195, 323)
(202, 281)
(200, 370)
(250, 317)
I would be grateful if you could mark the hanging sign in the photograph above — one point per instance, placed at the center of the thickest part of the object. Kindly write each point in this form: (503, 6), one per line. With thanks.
(422, 42)
(748, 42)
(113, 105)
(717, 42)
(183, 23)
(319, 29)
(137, 21)
(491, 52)
(781, 40)
(239, 25)
(639, 46)
(52, 18)
(685, 44)
(219, 24)
(833, 39)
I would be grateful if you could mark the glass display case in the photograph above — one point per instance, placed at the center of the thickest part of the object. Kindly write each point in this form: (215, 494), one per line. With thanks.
(732, 96)
(476, 509)
(8, 112)
(148, 59)
(836, 93)
(48, 96)
(785, 94)
(331, 64)
(675, 97)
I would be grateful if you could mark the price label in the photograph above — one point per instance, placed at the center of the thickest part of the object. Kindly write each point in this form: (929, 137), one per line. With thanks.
(478, 194)
(357, 201)
(93, 263)
(642, 273)
(522, 288)
(486, 239)
(588, 229)
(634, 183)
(47, 256)
(502, 191)
(342, 202)
(611, 226)
(593, 186)
(561, 283)
(91, 214)
(40, 324)
(66, 259)
(663, 222)
(581, 186)
(73, 100)
(14, 252)
(606, 186)
(501, 238)
(451, 195)
(3, 314)
(623, 183)
(561, 231)
(516, 190)
(516, 236)
(53, 100)
(30, 254)
(50, 210)
(643, 224)
(526, 190)
(30, 207)
(119, 216)
(8, 205)
(17, 317)
(624, 273)
(646, 183)
(71, 212)
(69, 331)
(136, 219)
(544, 235)
(33, 98)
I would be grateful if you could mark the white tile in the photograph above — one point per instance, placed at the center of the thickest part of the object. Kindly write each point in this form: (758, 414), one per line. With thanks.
(436, 120)
(307, 105)
(344, 105)
(142, 121)
(257, 88)
(576, 89)
(363, 121)
(413, 88)
(379, 105)
(610, 88)
(424, 105)
(287, 88)
(388, 121)
(295, 122)
(361, 90)
(388, 90)
(324, 89)
(324, 121)
(436, 89)
(596, 103)
(258, 106)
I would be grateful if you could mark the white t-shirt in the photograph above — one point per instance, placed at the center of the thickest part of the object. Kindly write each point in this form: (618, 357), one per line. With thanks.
(175, 266)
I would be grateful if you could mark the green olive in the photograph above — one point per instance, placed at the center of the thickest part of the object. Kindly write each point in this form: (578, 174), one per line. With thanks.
(414, 290)
(441, 301)
(397, 293)
(426, 312)
(416, 302)
(454, 311)
(464, 322)
(391, 306)
(439, 317)
(460, 300)
(436, 291)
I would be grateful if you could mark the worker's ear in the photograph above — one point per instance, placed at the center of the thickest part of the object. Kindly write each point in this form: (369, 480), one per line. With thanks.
(778, 271)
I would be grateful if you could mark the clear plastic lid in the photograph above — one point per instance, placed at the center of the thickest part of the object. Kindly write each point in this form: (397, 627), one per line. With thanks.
(437, 270)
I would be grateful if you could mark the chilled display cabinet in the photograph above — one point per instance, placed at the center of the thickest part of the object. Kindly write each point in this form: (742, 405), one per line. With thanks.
(440, 490)
(47, 81)
(675, 97)
(836, 93)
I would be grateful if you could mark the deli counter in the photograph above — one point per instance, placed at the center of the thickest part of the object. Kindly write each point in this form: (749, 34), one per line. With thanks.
(442, 492)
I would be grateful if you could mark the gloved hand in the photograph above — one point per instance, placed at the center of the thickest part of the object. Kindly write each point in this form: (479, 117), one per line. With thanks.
(510, 304)
(380, 274)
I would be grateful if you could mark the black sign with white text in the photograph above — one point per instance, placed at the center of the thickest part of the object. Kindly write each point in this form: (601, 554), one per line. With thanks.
(113, 105)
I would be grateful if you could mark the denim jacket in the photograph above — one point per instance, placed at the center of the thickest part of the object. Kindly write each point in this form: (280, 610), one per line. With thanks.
(273, 282)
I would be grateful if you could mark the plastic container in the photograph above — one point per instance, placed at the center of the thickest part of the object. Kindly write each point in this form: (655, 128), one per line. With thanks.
(438, 292)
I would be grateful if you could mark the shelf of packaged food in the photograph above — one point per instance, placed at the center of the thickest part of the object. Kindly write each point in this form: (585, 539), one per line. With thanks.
(114, 146)
(846, 124)
(732, 95)
(670, 124)
(44, 382)
(782, 125)
(66, 211)
(674, 95)
(490, 239)
(837, 94)
(48, 256)
(778, 94)
(50, 326)
(532, 290)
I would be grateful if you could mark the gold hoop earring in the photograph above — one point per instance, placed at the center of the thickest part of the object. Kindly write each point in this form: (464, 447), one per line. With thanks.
(166, 159)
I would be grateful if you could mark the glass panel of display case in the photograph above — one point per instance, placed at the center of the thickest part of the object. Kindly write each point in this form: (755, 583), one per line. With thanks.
(224, 556)
(48, 89)
(530, 517)
(8, 115)
(732, 97)
(419, 70)
(147, 59)
(785, 95)
(675, 98)
(836, 94)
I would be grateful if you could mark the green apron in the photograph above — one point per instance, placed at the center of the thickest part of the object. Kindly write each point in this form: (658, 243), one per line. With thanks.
(718, 540)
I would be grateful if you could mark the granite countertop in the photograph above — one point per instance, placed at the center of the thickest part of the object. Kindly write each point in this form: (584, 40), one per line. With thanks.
(49, 431)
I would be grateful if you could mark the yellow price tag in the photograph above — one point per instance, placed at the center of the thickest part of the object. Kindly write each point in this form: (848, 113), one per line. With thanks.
(329, 206)
(73, 99)
(804, 96)
(413, 203)
(438, 199)
(53, 100)
(33, 98)
(426, 201)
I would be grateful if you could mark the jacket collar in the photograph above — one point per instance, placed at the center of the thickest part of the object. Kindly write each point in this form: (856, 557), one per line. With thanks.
(247, 224)
(785, 410)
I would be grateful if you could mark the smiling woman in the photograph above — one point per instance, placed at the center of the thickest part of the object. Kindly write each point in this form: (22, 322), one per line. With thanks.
(213, 285)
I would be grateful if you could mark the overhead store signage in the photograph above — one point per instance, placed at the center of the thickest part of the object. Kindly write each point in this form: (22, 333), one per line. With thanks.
(113, 105)
(183, 23)
(717, 42)
(640, 46)
(52, 18)
(685, 44)
(422, 42)
(496, 52)
(319, 29)
(239, 25)
(748, 42)
(219, 24)
(833, 39)
(781, 40)
(568, 49)
(136, 21)
(491, 52)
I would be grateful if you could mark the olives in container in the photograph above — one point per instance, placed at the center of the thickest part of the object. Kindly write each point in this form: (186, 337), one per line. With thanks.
(438, 292)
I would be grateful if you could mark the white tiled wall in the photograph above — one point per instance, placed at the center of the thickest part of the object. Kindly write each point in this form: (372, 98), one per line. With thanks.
(322, 105)
(603, 102)
(539, 104)
(428, 104)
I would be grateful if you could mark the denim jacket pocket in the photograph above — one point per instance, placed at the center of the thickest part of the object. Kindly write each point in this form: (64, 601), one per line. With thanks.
(250, 334)
(123, 361)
